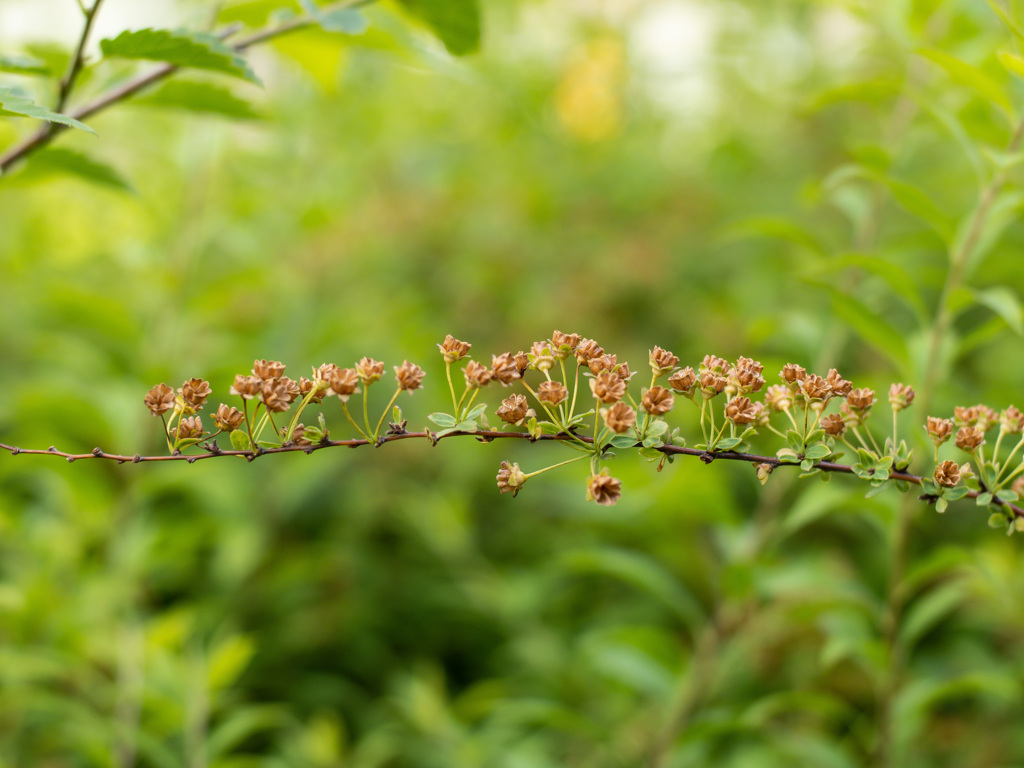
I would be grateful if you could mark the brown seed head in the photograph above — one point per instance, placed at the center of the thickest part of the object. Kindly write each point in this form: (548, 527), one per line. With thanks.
(604, 489)
(552, 392)
(861, 400)
(159, 399)
(299, 435)
(190, 427)
(323, 373)
(939, 430)
(514, 409)
(228, 419)
(740, 410)
(564, 344)
(622, 369)
(834, 425)
(900, 396)
(453, 349)
(947, 474)
(793, 374)
(715, 364)
(746, 376)
(510, 478)
(195, 392)
(369, 370)
(608, 387)
(662, 361)
(778, 397)
(313, 386)
(619, 418)
(477, 374)
(1011, 421)
(504, 368)
(683, 380)
(658, 401)
(969, 438)
(409, 376)
(600, 363)
(712, 384)
(275, 396)
(839, 386)
(267, 370)
(816, 388)
(344, 383)
(747, 364)
(761, 415)
(290, 389)
(522, 362)
(247, 387)
(586, 350)
(541, 357)
(980, 416)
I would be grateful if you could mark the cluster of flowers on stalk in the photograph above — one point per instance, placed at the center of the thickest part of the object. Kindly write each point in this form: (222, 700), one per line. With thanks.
(271, 392)
(576, 392)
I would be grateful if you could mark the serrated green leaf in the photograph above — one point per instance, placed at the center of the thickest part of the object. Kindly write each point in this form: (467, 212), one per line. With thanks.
(1004, 302)
(456, 22)
(549, 428)
(23, 64)
(14, 105)
(443, 419)
(182, 48)
(59, 160)
(240, 440)
(194, 96)
(966, 75)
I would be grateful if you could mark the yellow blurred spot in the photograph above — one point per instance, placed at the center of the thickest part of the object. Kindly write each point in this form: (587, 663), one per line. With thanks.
(588, 100)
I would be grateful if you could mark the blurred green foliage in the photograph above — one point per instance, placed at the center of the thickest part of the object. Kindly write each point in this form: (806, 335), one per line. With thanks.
(784, 180)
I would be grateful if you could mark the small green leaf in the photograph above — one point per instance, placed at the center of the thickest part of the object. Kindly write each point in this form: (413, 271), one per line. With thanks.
(941, 504)
(445, 420)
(966, 75)
(57, 160)
(807, 465)
(817, 451)
(728, 443)
(875, 490)
(240, 441)
(1007, 495)
(983, 499)
(952, 494)
(194, 96)
(267, 444)
(651, 454)
(655, 428)
(181, 48)
(468, 425)
(622, 441)
(23, 64)
(476, 410)
(794, 440)
(997, 520)
(456, 22)
(787, 456)
(13, 105)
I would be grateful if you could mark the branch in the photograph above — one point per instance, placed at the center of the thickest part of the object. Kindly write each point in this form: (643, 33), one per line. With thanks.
(47, 133)
(485, 436)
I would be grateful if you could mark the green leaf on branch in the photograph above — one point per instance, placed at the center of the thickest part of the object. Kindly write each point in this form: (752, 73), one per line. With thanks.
(817, 451)
(656, 428)
(240, 441)
(622, 441)
(728, 443)
(456, 22)
(952, 494)
(652, 454)
(788, 456)
(22, 64)
(14, 105)
(445, 420)
(476, 411)
(180, 48)
(941, 504)
(1006, 495)
(970, 77)
(983, 499)
(66, 161)
(194, 96)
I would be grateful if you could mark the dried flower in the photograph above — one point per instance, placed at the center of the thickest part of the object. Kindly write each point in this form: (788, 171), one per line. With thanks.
(275, 396)
(657, 401)
(409, 376)
(1011, 421)
(369, 370)
(746, 377)
(564, 344)
(510, 478)
(900, 396)
(504, 368)
(816, 388)
(980, 416)
(715, 364)
(267, 370)
(608, 387)
(159, 399)
(834, 425)
(793, 374)
(837, 384)
(541, 357)
(522, 362)
(947, 474)
(740, 410)
(600, 363)
(453, 349)
(195, 392)
(190, 427)
(290, 389)
(622, 369)
(344, 383)
(324, 373)
(619, 418)
(312, 386)
(586, 350)
(247, 387)
(552, 392)
(514, 409)
(861, 400)
(477, 374)
(683, 380)
(763, 471)
(969, 439)
(604, 489)
(662, 361)
(712, 384)
(299, 435)
(778, 397)
(939, 430)
(228, 419)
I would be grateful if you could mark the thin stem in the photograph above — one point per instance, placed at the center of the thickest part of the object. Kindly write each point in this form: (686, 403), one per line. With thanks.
(298, 412)
(366, 406)
(344, 407)
(376, 432)
(1009, 458)
(555, 466)
(75, 65)
(451, 388)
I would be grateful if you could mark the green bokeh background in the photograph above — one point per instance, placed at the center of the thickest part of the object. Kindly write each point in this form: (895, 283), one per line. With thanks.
(388, 607)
